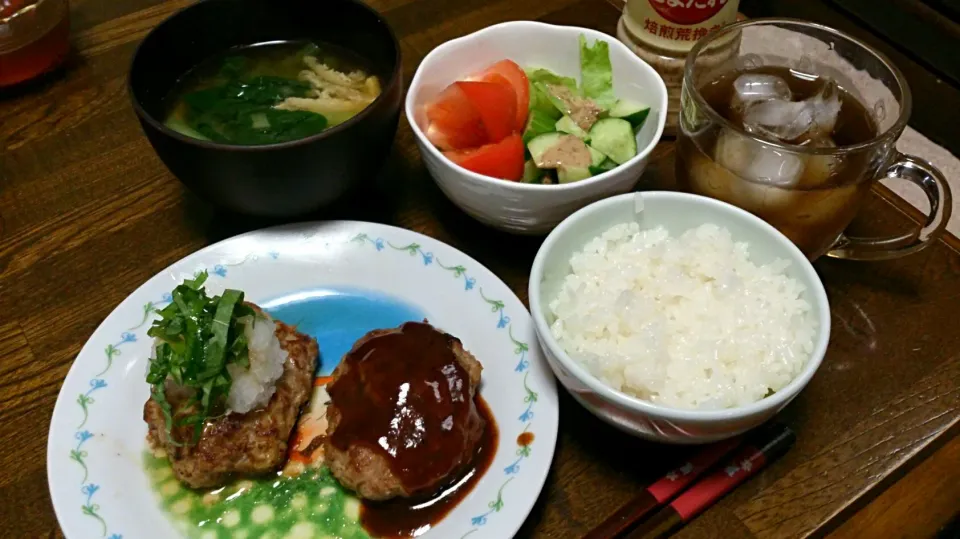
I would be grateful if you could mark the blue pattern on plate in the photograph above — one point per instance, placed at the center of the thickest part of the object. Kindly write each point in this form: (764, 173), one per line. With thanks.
(89, 490)
(96, 383)
(520, 349)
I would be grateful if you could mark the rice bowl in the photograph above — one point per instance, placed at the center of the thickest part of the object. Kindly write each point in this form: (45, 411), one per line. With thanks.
(687, 322)
(676, 213)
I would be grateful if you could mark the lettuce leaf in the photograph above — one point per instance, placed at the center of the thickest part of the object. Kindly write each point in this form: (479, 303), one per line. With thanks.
(596, 72)
(549, 77)
(539, 123)
(539, 101)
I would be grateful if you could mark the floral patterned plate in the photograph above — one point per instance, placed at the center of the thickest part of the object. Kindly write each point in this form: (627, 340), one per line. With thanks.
(335, 280)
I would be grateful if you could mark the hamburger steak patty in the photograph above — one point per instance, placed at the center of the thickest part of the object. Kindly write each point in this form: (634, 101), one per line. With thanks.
(240, 444)
(402, 421)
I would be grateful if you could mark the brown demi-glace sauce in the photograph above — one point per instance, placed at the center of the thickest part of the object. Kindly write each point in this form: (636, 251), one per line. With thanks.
(408, 398)
(525, 438)
(406, 517)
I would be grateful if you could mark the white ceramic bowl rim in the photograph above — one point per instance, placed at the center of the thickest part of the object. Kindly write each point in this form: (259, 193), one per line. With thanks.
(773, 402)
(574, 31)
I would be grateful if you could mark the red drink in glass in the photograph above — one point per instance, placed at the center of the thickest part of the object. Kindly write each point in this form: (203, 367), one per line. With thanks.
(34, 38)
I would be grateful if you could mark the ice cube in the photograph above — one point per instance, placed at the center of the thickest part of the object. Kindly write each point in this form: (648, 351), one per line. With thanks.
(761, 179)
(795, 121)
(750, 88)
(819, 168)
(778, 119)
(757, 162)
(825, 108)
(708, 178)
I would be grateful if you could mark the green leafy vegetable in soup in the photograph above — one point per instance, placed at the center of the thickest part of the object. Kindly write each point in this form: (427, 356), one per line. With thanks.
(244, 113)
(197, 337)
(271, 93)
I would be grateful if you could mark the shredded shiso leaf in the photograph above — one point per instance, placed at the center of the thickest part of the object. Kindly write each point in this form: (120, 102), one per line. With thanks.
(198, 336)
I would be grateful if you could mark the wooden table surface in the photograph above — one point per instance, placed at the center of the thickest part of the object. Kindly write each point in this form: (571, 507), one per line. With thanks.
(88, 213)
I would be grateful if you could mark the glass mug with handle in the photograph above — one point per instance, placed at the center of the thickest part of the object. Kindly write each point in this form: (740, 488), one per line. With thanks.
(805, 160)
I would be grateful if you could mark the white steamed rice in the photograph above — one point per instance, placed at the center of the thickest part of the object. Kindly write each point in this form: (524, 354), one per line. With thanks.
(686, 322)
(252, 388)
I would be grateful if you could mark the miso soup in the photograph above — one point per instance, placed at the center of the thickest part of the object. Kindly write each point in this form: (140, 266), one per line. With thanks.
(270, 93)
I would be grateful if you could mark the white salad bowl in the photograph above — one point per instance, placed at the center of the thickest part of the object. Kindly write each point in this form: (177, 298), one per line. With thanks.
(519, 207)
(677, 212)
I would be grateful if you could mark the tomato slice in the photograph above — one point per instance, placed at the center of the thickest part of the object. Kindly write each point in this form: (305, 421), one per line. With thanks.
(517, 78)
(485, 108)
(496, 103)
(502, 159)
(454, 122)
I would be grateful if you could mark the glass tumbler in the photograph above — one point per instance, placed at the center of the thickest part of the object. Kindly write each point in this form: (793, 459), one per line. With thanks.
(34, 38)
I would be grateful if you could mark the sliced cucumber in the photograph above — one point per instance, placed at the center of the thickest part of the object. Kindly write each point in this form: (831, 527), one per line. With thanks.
(572, 174)
(538, 123)
(567, 125)
(614, 137)
(631, 111)
(541, 143)
(596, 156)
(606, 165)
(531, 174)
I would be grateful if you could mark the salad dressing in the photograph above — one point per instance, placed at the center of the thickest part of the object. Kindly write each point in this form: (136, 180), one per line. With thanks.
(568, 151)
(571, 130)
(584, 112)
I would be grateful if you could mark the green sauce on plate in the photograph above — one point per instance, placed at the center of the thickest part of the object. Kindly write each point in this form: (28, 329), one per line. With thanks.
(310, 505)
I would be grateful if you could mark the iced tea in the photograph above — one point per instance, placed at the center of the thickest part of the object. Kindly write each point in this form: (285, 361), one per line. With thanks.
(796, 124)
(810, 197)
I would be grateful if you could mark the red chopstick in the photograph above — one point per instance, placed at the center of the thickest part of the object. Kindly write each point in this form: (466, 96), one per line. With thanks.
(760, 449)
(662, 491)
